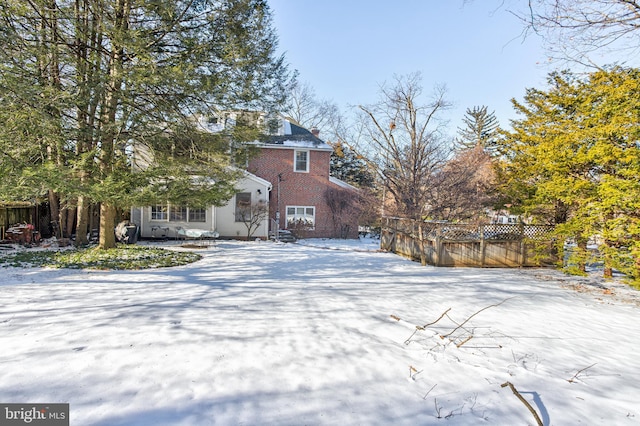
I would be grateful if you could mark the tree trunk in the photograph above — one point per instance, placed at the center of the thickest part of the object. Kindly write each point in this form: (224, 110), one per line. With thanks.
(110, 123)
(83, 221)
(608, 267)
(54, 208)
(582, 246)
(71, 220)
(107, 223)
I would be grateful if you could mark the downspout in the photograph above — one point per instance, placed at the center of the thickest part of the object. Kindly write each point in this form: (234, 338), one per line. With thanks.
(278, 208)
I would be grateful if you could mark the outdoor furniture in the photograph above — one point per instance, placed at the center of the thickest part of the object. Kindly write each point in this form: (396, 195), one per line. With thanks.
(202, 235)
(159, 231)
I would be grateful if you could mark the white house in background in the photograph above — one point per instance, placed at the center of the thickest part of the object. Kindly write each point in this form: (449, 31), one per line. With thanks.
(166, 220)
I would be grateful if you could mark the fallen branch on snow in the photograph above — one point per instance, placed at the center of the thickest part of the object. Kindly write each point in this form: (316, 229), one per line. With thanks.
(458, 326)
(575, 376)
(524, 401)
(431, 323)
(427, 394)
(464, 341)
(469, 318)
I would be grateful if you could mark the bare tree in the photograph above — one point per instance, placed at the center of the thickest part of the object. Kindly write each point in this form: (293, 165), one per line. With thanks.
(344, 205)
(462, 190)
(405, 142)
(305, 108)
(575, 29)
(252, 215)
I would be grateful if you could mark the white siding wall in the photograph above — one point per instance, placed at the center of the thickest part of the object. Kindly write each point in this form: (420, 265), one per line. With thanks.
(168, 228)
(220, 219)
(225, 216)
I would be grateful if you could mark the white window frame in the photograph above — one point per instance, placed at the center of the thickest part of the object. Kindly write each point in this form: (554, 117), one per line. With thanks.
(178, 213)
(238, 197)
(196, 219)
(304, 216)
(162, 213)
(295, 160)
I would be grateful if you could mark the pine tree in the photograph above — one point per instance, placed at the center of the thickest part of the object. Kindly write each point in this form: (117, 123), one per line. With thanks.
(481, 130)
(82, 80)
(347, 166)
(573, 160)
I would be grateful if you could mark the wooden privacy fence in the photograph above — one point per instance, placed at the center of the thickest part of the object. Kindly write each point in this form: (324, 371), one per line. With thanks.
(449, 244)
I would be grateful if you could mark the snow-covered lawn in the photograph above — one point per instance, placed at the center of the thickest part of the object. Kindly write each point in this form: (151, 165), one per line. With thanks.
(319, 333)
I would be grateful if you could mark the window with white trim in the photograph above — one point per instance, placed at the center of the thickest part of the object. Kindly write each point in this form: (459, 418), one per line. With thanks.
(197, 215)
(301, 161)
(301, 216)
(169, 213)
(178, 214)
(160, 212)
(243, 206)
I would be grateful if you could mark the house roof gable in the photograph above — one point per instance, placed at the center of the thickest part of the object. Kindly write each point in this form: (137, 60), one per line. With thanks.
(294, 136)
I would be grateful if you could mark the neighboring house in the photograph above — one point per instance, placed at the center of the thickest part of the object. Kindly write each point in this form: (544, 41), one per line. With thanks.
(304, 199)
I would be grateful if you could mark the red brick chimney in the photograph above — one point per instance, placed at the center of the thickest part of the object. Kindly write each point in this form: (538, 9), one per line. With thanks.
(315, 132)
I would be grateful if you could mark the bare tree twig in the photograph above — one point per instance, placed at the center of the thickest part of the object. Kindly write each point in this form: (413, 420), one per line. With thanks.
(435, 402)
(464, 341)
(476, 313)
(406, 342)
(429, 391)
(431, 323)
(413, 372)
(524, 401)
(575, 376)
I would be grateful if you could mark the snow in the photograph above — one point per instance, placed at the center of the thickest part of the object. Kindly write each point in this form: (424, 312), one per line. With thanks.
(305, 144)
(320, 332)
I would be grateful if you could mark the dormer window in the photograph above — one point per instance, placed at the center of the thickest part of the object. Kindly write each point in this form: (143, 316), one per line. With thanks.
(301, 161)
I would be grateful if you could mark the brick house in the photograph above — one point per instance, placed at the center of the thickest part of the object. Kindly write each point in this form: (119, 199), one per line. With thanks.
(289, 176)
(304, 197)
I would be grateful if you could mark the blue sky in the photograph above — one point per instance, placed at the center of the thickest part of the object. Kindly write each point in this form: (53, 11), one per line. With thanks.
(346, 48)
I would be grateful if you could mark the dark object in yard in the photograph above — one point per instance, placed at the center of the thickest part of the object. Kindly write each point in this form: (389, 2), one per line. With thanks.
(127, 233)
(23, 233)
(284, 236)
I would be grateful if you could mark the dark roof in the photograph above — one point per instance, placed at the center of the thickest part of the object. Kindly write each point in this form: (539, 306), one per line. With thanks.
(298, 130)
(297, 135)
(308, 137)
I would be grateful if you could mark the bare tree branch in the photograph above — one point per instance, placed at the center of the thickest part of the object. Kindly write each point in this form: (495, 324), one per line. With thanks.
(524, 401)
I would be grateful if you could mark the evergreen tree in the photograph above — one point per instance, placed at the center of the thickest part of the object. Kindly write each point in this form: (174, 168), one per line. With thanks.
(82, 81)
(347, 166)
(481, 130)
(574, 159)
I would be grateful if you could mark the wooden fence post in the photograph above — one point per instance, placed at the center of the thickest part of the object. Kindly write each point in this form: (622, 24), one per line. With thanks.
(483, 246)
(522, 257)
(423, 256)
(438, 247)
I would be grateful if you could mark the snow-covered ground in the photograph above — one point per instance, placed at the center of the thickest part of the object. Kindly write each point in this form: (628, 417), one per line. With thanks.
(319, 333)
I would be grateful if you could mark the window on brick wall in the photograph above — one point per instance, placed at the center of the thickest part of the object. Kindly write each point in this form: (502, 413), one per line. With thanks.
(301, 216)
(301, 161)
